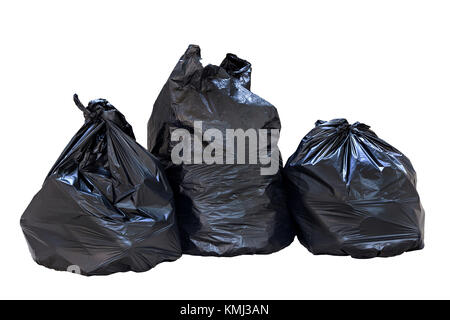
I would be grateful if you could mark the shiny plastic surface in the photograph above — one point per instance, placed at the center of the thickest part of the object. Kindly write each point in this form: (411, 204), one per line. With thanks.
(222, 209)
(352, 193)
(106, 205)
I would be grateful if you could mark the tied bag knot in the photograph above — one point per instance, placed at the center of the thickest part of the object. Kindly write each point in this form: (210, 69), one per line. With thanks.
(102, 110)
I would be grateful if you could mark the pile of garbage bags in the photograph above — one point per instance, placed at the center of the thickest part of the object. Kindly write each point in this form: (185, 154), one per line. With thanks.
(212, 183)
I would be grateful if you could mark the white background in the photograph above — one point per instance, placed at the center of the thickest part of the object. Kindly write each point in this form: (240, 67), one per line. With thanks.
(383, 63)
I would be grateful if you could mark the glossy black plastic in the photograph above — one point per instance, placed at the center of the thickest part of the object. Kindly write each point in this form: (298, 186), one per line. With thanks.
(352, 193)
(222, 209)
(106, 205)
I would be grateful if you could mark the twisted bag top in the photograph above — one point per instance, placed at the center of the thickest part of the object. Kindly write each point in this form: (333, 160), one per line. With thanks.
(106, 205)
(353, 194)
(223, 208)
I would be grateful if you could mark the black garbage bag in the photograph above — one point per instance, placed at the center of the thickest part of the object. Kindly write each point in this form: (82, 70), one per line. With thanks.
(233, 205)
(106, 205)
(352, 193)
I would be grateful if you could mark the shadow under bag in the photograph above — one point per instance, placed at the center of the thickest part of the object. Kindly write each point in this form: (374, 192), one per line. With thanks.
(222, 209)
(106, 205)
(352, 193)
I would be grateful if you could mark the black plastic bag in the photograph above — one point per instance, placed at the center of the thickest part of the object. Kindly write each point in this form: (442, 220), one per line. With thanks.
(352, 193)
(223, 209)
(106, 205)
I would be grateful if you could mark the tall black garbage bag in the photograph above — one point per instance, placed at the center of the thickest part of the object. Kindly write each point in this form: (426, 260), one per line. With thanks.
(106, 205)
(233, 205)
(352, 193)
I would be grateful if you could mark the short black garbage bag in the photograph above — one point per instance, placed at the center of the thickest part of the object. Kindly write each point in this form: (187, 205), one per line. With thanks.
(352, 193)
(229, 200)
(106, 205)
